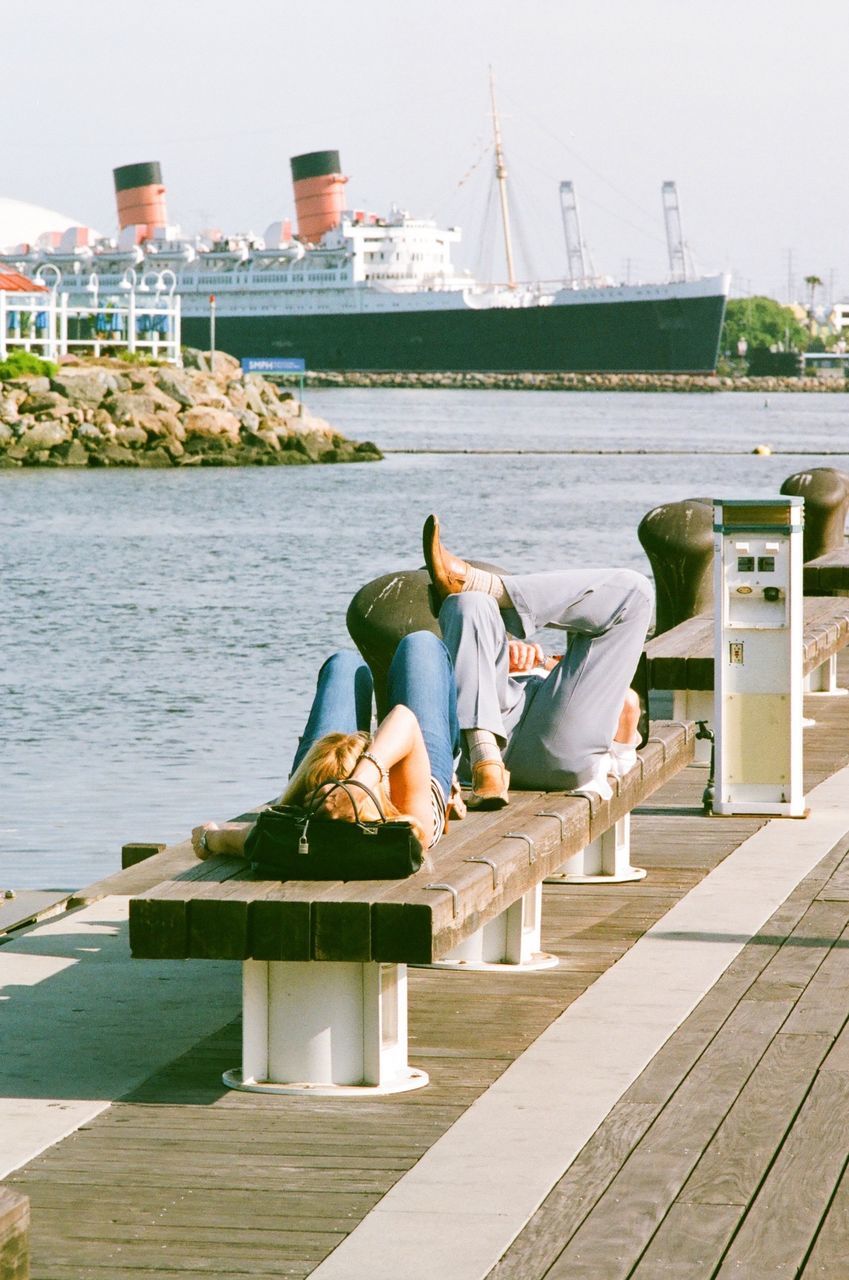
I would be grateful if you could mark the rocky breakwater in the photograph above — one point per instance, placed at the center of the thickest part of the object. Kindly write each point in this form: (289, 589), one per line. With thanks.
(653, 382)
(111, 413)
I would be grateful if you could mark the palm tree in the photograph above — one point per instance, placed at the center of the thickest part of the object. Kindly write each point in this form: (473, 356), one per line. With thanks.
(813, 283)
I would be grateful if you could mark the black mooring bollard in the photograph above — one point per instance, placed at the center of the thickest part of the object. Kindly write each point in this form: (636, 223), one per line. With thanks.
(678, 540)
(826, 495)
(381, 613)
(385, 610)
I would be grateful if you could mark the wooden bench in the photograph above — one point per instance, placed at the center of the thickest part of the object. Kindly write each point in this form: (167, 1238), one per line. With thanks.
(14, 1235)
(681, 659)
(340, 1026)
(828, 574)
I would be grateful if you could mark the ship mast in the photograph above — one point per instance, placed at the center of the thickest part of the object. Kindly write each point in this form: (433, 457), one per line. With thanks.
(501, 179)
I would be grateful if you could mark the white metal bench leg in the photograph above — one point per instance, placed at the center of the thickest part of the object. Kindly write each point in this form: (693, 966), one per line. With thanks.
(509, 944)
(823, 680)
(695, 704)
(606, 860)
(324, 1028)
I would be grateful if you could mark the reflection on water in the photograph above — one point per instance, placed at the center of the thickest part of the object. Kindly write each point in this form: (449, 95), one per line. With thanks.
(160, 631)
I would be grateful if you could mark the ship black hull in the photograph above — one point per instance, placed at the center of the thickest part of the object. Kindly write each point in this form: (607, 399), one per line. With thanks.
(662, 336)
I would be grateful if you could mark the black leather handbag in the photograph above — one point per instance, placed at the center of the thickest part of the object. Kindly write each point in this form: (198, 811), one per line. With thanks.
(288, 842)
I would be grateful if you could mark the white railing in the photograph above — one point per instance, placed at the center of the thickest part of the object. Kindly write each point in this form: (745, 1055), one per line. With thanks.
(48, 326)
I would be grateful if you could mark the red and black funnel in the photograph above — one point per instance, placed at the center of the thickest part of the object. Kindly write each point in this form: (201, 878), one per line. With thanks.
(318, 182)
(140, 195)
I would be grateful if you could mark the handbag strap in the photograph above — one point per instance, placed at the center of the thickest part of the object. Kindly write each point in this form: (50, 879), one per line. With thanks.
(320, 795)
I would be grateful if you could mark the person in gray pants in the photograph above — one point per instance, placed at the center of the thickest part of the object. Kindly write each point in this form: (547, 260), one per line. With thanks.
(564, 730)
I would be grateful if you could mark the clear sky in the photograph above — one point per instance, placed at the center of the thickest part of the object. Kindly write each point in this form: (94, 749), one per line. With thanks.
(742, 102)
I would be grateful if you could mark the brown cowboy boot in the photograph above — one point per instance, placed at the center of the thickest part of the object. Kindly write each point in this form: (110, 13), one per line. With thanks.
(447, 572)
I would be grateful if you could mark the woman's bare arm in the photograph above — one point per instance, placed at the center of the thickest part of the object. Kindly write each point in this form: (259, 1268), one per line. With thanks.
(229, 839)
(399, 746)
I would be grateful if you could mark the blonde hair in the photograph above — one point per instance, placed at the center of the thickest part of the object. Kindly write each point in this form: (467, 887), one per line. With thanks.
(335, 756)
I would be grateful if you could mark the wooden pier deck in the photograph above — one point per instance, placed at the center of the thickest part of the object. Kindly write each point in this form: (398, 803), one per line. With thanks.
(725, 1157)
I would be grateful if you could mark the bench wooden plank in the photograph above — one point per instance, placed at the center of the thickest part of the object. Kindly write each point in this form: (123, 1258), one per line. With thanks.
(683, 657)
(827, 573)
(14, 1235)
(219, 910)
(281, 930)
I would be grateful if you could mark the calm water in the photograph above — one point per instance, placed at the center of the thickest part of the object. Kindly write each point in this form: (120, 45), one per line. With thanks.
(160, 631)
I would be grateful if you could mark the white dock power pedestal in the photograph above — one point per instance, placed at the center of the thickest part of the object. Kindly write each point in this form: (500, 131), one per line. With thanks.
(758, 656)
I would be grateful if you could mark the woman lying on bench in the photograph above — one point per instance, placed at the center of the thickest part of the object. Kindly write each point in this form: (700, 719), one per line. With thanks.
(409, 763)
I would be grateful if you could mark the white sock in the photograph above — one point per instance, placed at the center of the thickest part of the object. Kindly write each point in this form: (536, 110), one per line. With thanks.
(624, 756)
(489, 583)
(481, 745)
(598, 784)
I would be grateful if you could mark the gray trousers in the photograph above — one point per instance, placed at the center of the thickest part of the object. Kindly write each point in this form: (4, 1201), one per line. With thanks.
(552, 730)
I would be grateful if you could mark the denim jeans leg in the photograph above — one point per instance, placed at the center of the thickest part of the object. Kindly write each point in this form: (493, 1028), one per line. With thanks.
(342, 702)
(421, 677)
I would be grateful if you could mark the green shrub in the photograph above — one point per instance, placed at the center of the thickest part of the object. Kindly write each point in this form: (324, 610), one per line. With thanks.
(19, 363)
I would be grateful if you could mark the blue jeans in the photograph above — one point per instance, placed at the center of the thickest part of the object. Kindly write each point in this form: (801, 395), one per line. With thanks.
(421, 677)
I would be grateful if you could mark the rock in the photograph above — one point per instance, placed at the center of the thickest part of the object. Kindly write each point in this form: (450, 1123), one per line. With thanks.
(174, 448)
(209, 423)
(223, 364)
(155, 458)
(171, 425)
(7, 435)
(162, 401)
(87, 387)
(73, 454)
(30, 385)
(44, 435)
(139, 377)
(312, 444)
(253, 399)
(235, 393)
(207, 392)
(133, 436)
(309, 422)
(127, 406)
(8, 408)
(46, 402)
(250, 421)
(348, 451)
(90, 435)
(268, 392)
(266, 437)
(115, 455)
(176, 383)
(194, 359)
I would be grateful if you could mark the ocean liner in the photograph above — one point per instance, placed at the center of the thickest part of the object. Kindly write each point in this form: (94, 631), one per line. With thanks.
(353, 291)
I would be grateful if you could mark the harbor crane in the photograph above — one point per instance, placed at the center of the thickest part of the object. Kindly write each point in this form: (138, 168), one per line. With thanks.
(680, 262)
(580, 267)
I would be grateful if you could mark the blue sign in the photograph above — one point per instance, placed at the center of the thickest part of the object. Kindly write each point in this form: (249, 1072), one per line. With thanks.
(273, 364)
